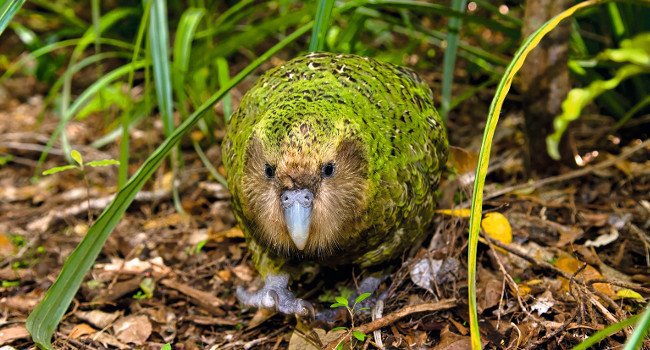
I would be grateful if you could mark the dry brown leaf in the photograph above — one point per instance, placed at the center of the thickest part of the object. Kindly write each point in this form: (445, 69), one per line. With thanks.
(452, 341)
(220, 236)
(261, 315)
(9, 334)
(224, 275)
(97, 318)
(175, 219)
(462, 160)
(108, 339)
(244, 272)
(134, 329)
(570, 265)
(6, 247)
(81, 330)
(300, 341)
(19, 302)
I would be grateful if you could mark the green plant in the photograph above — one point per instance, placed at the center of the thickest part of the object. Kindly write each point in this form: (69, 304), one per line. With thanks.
(484, 156)
(147, 287)
(634, 55)
(342, 301)
(80, 164)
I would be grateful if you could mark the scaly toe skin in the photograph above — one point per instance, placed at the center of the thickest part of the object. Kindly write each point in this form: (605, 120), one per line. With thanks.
(276, 296)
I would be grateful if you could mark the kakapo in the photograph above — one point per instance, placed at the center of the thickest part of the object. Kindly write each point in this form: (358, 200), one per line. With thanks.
(332, 158)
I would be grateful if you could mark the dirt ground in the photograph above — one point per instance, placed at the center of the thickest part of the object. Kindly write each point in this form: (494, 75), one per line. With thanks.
(579, 257)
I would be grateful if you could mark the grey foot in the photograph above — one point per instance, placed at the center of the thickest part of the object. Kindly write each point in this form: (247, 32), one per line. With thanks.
(276, 296)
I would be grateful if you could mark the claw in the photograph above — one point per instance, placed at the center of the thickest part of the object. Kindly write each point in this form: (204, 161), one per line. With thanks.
(276, 296)
(270, 299)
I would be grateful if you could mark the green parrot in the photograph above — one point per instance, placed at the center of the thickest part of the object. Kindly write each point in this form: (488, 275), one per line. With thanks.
(333, 159)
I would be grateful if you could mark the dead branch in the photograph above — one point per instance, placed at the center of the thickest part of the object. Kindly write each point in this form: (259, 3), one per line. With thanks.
(393, 317)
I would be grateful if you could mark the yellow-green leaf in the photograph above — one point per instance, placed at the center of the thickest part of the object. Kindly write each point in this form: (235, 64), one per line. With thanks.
(629, 294)
(77, 157)
(104, 162)
(496, 226)
(58, 169)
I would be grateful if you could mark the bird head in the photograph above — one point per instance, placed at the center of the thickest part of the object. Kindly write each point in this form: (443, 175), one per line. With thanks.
(304, 182)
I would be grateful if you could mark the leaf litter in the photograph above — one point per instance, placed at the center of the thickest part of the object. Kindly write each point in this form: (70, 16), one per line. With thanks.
(561, 256)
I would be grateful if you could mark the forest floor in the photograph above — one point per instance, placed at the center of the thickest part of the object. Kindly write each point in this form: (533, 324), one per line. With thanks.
(579, 259)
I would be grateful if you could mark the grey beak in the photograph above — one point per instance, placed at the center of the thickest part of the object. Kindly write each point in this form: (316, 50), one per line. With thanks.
(297, 205)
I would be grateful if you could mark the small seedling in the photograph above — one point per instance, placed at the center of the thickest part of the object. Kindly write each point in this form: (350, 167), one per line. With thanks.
(81, 166)
(147, 287)
(342, 301)
(76, 156)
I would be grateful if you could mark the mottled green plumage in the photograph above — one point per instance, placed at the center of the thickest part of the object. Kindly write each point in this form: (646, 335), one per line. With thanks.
(303, 112)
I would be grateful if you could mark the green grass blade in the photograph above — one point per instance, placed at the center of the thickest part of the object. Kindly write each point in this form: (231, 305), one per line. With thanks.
(126, 117)
(449, 61)
(159, 42)
(14, 67)
(182, 48)
(484, 156)
(7, 12)
(62, 9)
(321, 26)
(636, 339)
(90, 36)
(86, 96)
(597, 337)
(42, 322)
(223, 73)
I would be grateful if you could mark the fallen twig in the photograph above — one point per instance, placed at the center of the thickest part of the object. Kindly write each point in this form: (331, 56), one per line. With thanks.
(203, 299)
(393, 317)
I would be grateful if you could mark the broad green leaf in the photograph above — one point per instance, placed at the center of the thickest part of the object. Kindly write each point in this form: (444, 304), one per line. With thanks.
(579, 98)
(335, 305)
(166, 346)
(104, 162)
(44, 319)
(359, 335)
(342, 300)
(76, 156)
(7, 11)
(634, 50)
(362, 297)
(484, 156)
(58, 169)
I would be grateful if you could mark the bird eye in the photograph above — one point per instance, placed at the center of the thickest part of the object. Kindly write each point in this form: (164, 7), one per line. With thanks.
(269, 171)
(328, 170)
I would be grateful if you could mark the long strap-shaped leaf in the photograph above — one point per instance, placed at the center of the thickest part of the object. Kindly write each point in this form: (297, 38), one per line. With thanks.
(42, 322)
(7, 11)
(484, 155)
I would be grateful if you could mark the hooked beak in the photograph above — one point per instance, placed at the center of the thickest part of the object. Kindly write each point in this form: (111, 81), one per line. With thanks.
(297, 205)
